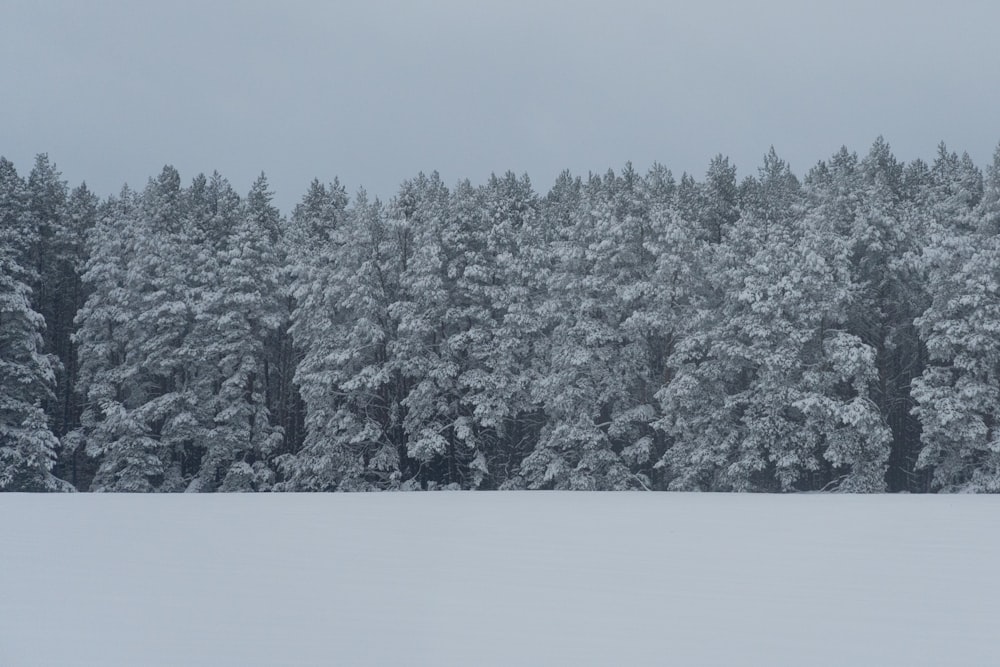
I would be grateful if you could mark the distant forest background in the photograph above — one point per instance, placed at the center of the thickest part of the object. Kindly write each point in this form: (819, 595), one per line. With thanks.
(837, 332)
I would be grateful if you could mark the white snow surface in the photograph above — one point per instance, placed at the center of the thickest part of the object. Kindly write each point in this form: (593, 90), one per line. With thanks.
(508, 579)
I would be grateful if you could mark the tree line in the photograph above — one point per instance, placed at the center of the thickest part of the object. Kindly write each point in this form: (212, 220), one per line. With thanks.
(623, 331)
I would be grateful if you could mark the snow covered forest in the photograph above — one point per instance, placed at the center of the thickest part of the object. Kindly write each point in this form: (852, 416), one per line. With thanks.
(839, 331)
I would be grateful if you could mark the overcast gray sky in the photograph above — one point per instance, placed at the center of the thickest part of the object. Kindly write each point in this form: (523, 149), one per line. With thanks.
(374, 92)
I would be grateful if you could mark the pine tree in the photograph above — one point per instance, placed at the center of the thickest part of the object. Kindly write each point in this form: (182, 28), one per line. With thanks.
(311, 245)
(148, 413)
(718, 200)
(766, 388)
(958, 395)
(348, 378)
(55, 261)
(439, 430)
(27, 445)
(111, 379)
(174, 254)
(596, 390)
(495, 289)
(14, 221)
(81, 215)
(242, 310)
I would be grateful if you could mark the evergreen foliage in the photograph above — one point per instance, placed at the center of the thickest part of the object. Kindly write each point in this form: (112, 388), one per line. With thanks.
(623, 331)
(28, 448)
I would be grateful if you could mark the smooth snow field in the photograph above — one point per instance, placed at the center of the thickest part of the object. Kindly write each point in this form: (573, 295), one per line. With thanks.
(498, 579)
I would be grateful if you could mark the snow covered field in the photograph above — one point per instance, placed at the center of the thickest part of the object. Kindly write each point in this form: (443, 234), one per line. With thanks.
(498, 579)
